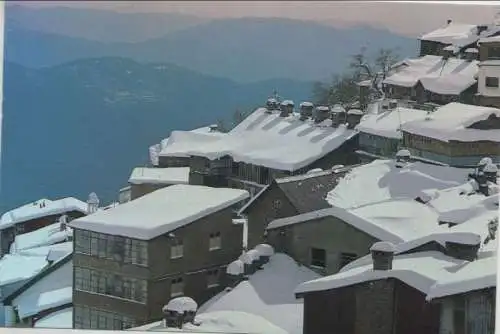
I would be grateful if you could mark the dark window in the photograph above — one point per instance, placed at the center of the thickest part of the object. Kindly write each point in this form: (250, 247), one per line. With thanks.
(494, 52)
(491, 82)
(459, 321)
(318, 257)
(276, 204)
(346, 258)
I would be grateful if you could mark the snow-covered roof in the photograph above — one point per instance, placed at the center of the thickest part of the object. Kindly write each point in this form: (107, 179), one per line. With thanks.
(268, 293)
(475, 275)
(380, 180)
(461, 215)
(234, 322)
(442, 76)
(161, 211)
(16, 268)
(49, 252)
(59, 319)
(38, 210)
(51, 291)
(459, 34)
(171, 175)
(44, 236)
(393, 220)
(451, 122)
(181, 305)
(264, 139)
(419, 270)
(388, 123)
(492, 39)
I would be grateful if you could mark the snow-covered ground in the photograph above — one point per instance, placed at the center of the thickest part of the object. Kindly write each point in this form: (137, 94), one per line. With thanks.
(381, 180)
(268, 293)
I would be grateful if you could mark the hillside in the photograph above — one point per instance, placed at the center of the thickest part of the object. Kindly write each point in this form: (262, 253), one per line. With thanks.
(82, 126)
(244, 50)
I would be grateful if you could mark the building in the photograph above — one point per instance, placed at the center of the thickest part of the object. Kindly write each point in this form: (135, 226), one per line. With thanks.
(455, 134)
(380, 134)
(36, 215)
(460, 36)
(46, 293)
(488, 92)
(434, 79)
(326, 240)
(266, 145)
(146, 180)
(286, 197)
(131, 259)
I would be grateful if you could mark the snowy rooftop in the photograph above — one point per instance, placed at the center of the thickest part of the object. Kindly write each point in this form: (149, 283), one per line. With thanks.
(380, 180)
(442, 76)
(161, 211)
(58, 319)
(229, 321)
(265, 139)
(38, 210)
(458, 34)
(44, 236)
(419, 270)
(50, 252)
(15, 268)
(387, 124)
(451, 122)
(268, 293)
(492, 39)
(172, 175)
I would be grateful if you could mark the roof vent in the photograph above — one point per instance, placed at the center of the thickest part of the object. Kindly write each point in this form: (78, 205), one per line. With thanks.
(382, 255)
(306, 110)
(271, 104)
(286, 108)
(322, 113)
(179, 311)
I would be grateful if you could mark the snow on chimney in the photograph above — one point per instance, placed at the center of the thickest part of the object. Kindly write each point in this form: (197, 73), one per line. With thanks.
(92, 203)
(179, 311)
(382, 255)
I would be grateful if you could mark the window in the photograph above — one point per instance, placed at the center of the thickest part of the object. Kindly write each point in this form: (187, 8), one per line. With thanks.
(318, 257)
(177, 287)
(276, 204)
(92, 318)
(346, 258)
(177, 251)
(494, 53)
(491, 82)
(212, 278)
(215, 241)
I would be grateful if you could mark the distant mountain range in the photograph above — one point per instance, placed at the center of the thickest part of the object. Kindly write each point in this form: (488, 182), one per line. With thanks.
(244, 50)
(82, 126)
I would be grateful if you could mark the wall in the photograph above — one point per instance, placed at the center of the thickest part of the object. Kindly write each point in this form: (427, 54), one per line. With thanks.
(329, 233)
(430, 48)
(484, 49)
(378, 145)
(488, 71)
(165, 162)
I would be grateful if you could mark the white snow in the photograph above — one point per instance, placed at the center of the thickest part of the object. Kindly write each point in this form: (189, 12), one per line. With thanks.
(235, 268)
(15, 268)
(50, 252)
(249, 257)
(475, 275)
(264, 249)
(442, 76)
(451, 122)
(161, 211)
(388, 123)
(457, 197)
(458, 34)
(181, 305)
(460, 215)
(171, 175)
(58, 319)
(44, 236)
(419, 270)
(450, 235)
(492, 39)
(383, 246)
(491, 168)
(264, 139)
(233, 322)
(268, 293)
(380, 180)
(306, 104)
(35, 210)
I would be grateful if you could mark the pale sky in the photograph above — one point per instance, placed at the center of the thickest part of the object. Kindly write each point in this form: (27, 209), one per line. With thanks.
(404, 17)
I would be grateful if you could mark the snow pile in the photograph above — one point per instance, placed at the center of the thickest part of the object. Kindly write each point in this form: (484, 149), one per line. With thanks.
(268, 293)
(15, 268)
(380, 180)
(388, 123)
(264, 139)
(236, 268)
(458, 34)
(181, 305)
(44, 236)
(161, 211)
(172, 175)
(58, 319)
(41, 208)
(233, 322)
(383, 246)
(265, 249)
(250, 256)
(451, 122)
(419, 270)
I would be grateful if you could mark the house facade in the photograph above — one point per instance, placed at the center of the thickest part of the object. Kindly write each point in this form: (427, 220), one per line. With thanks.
(122, 281)
(488, 93)
(143, 180)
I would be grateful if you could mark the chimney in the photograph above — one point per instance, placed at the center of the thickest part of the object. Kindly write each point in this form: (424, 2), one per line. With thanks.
(92, 203)
(322, 113)
(271, 104)
(286, 108)
(471, 54)
(63, 222)
(306, 110)
(353, 118)
(179, 311)
(490, 173)
(235, 273)
(214, 128)
(448, 22)
(464, 247)
(402, 158)
(382, 255)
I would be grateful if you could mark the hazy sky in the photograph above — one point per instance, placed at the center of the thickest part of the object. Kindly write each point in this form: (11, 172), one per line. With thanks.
(407, 18)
